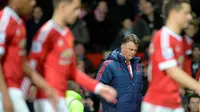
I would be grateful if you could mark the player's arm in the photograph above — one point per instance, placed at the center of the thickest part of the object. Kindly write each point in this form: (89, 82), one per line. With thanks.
(37, 79)
(3, 86)
(37, 54)
(84, 80)
(7, 104)
(183, 78)
(165, 57)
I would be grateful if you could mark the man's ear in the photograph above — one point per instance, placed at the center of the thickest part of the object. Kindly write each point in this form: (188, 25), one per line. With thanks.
(122, 46)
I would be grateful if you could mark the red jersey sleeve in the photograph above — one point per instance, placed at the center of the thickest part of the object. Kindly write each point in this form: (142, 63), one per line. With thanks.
(81, 78)
(40, 47)
(2, 42)
(4, 33)
(163, 51)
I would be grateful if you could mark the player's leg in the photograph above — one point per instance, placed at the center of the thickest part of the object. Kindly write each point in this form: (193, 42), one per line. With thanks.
(147, 107)
(18, 101)
(62, 107)
(45, 105)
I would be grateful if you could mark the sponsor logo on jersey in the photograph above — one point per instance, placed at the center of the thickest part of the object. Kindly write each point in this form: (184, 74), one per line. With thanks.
(66, 57)
(67, 53)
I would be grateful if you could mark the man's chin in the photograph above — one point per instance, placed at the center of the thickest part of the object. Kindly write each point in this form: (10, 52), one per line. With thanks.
(185, 26)
(131, 57)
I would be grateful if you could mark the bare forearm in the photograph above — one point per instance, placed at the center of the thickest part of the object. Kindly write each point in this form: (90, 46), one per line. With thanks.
(39, 81)
(36, 78)
(183, 78)
(3, 86)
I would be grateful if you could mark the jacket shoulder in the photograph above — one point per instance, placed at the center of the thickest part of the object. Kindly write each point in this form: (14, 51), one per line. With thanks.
(107, 62)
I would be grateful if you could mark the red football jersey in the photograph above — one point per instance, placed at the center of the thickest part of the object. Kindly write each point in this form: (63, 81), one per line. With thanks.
(12, 43)
(187, 45)
(53, 56)
(165, 51)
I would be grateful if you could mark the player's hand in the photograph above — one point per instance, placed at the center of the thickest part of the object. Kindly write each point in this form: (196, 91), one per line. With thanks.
(108, 93)
(52, 96)
(182, 91)
(7, 104)
(198, 91)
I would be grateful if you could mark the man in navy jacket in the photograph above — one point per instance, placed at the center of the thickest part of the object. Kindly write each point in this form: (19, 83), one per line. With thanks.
(123, 72)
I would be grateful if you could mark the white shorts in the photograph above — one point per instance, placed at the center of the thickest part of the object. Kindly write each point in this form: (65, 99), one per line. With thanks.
(44, 105)
(147, 107)
(17, 99)
(1, 103)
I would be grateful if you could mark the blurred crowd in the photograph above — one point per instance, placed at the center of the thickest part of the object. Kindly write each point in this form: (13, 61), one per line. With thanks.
(101, 27)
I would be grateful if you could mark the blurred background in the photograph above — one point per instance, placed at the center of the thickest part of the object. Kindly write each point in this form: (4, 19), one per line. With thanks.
(102, 25)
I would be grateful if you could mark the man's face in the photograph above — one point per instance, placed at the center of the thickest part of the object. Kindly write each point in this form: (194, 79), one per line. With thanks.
(146, 7)
(121, 2)
(26, 6)
(193, 105)
(102, 6)
(129, 50)
(196, 53)
(127, 23)
(71, 11)
(37, 13)
(79, 50)
(183, 16)
(191, 30)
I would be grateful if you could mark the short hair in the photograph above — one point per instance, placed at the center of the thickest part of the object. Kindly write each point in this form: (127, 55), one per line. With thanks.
(57, 2)
(168, 5)
(131, 38)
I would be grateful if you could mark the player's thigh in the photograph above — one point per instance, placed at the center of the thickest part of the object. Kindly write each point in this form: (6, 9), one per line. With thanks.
(179, 110)
(45, 105)
(18, 101)
(62, 106)
(147, 107)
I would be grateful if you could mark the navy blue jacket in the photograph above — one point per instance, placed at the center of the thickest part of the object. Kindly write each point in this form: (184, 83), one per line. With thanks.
(114, 72)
